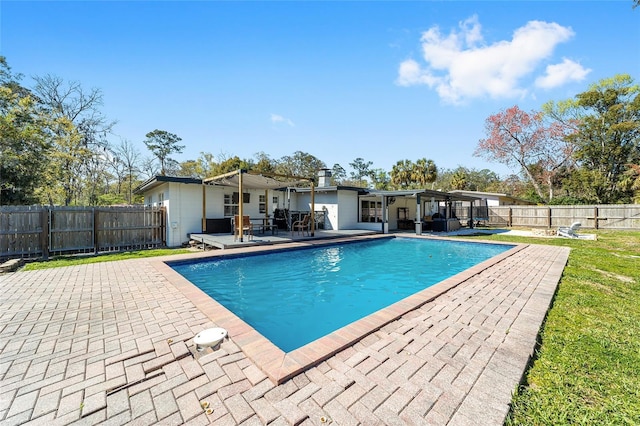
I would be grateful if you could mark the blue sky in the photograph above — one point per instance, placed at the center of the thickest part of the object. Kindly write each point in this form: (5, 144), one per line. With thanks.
(384, 81)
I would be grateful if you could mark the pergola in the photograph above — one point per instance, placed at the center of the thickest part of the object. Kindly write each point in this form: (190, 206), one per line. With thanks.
(242, 179)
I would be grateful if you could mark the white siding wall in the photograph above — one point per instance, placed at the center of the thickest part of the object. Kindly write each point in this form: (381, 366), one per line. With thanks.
(344, 218)
(184, 212)
(348, 214)
(326, 201)
(215, 201)
(323, 201)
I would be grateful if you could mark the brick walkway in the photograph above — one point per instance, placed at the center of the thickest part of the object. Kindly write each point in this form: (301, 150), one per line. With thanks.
(112, 342)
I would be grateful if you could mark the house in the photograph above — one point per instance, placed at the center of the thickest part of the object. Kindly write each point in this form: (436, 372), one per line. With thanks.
(208, 205)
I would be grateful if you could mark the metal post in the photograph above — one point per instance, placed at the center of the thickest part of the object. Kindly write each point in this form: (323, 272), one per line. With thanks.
(240, 223)
(313, 209)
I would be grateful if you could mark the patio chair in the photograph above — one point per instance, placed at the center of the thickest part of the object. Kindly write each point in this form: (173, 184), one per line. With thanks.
(569, 232)
(302, 225)
(245, 229)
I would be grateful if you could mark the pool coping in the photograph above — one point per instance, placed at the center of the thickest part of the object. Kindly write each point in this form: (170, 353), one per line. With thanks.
(280, 366)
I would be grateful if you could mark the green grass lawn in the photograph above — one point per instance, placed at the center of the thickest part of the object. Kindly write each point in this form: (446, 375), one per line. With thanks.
(587, 370)
(107, 257)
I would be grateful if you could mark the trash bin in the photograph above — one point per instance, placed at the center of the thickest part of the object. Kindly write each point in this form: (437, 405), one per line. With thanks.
(418, 228)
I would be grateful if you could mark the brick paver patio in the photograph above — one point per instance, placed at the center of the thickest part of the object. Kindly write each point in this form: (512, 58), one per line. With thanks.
(112, 343)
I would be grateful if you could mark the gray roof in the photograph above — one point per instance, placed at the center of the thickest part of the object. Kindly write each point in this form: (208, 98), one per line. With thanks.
(430, 193)
(159, 180)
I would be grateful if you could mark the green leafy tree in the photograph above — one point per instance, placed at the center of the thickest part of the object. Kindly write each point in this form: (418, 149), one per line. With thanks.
(380, 179)
(24, 140)
(632, 180)
(190, 168)
(361, 169)
(607, 141)
(162, 145)
(263, 163)
(300, 164)
(338, 174)
(483, 180)
(230, 164)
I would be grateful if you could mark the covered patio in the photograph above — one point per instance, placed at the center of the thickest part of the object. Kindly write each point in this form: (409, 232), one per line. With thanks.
(425, 210)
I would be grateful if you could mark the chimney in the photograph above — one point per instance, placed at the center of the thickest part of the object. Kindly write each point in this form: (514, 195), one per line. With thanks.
(324, 178)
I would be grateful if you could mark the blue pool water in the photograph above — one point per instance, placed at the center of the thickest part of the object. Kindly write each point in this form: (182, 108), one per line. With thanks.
(297, 296)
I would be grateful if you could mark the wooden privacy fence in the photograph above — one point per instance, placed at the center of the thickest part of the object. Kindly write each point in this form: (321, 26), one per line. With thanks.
(40, 231)
(611, 216)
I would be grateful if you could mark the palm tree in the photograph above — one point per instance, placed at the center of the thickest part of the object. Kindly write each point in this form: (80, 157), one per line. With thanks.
(401, 174)
(459, 180)
(424, 172)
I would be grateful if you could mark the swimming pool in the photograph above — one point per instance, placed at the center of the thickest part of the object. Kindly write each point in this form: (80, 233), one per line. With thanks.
(297, 296)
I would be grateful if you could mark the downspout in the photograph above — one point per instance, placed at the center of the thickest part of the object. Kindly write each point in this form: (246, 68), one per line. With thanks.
(313, 208)
(266, 206)
(385, 211)
(418, 222)
(240, 206)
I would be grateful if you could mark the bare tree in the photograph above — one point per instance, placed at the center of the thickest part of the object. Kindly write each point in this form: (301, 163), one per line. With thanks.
(80, 133)
(127, 162)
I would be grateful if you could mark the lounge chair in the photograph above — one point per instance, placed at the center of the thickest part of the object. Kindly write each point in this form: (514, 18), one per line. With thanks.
(302, 225)
(245, 229)
(571, 231)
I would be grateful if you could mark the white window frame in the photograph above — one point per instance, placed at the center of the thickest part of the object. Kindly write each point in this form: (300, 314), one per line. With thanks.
(230, 209)
(262, 204)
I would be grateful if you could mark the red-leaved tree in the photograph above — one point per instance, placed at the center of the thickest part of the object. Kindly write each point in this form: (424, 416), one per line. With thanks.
(523, 140)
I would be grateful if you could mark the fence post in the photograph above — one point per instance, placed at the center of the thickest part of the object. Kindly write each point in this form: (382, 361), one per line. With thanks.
(510, 217)
(549, 217)
(44, 236)
(95, 230)
(595, 217)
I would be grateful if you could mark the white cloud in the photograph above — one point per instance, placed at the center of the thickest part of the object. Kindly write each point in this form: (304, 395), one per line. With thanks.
(559, 74)
(460, 66)
(275, 119)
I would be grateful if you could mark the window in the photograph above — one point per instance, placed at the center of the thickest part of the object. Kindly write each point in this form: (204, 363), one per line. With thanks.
(246, 197)
(262, 203)
(274, 201)
(161, 199)
(150, 201)
(230, 207)
(370, 211)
